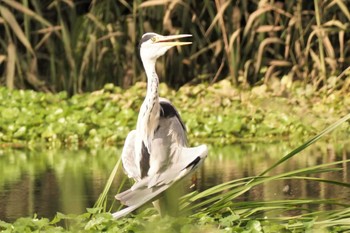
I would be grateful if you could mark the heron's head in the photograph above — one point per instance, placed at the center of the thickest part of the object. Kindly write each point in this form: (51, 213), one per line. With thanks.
(153, 45)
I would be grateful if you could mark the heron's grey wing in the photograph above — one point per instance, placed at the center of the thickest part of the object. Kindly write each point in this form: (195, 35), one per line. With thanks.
(167, 110)
(170, 154)
(128, 156)
(141, 191)
(140, 194)
(169, 134)
(185, 161)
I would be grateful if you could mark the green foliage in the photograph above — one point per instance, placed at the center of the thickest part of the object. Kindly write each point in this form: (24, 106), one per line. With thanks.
(221, 222)
(218, 114)
(32, 117)
(81, 45)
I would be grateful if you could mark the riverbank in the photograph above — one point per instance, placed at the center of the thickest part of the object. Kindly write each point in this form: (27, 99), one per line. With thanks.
(219, 114)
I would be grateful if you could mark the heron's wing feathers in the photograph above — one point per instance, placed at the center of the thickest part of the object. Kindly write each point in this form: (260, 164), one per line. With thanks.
(128, 156)
(169, 139)
(183, 160)
(167, 110)
(125, 211)
(142, 191)
(141, 197)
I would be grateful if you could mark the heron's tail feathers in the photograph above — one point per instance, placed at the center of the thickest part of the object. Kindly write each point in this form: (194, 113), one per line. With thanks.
(150, 187)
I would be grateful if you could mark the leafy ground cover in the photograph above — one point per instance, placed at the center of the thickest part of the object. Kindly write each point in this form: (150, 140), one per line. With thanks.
(153, 223)
(216, 114)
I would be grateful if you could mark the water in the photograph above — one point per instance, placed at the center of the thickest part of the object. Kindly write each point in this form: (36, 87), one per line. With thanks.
(49, 181)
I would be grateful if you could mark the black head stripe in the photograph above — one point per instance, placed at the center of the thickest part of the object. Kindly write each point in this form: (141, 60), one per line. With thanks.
(145, 38)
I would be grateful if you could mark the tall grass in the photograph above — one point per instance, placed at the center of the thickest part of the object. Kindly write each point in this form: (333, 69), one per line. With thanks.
(79, 46)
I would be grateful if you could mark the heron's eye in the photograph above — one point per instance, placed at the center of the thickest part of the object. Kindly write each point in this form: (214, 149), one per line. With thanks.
(153, 39)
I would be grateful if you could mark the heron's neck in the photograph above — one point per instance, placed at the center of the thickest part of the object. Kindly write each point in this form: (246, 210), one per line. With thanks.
(148, 118)
(149, 111)
(152, 82)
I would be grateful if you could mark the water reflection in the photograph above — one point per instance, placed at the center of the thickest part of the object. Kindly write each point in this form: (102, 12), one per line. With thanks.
(45, 182)
(249, 160)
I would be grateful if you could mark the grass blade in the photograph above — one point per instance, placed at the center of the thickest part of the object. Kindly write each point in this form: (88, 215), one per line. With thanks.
(11, 20)
(27, 11)
(215, 198)
(308, 143)
(102, 199)
(10, 65)
(343, 8)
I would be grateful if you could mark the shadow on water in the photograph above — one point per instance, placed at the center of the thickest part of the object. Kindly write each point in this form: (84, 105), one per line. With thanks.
(69, 181)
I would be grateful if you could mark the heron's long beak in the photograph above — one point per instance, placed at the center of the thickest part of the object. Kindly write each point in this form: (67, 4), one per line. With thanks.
(167, 40)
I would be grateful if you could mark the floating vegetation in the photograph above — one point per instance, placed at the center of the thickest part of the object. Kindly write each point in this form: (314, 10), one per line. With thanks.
(218, 114)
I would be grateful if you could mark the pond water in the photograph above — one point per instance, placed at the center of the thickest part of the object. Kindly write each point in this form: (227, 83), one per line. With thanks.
(49, 181)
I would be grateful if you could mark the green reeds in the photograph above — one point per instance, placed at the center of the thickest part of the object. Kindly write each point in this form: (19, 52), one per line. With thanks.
(102, 201)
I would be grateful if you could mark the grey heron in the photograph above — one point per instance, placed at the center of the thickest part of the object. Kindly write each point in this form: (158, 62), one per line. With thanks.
(155, 154)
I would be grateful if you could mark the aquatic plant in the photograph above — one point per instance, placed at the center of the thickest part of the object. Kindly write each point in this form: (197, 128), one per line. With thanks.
(218, 114)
